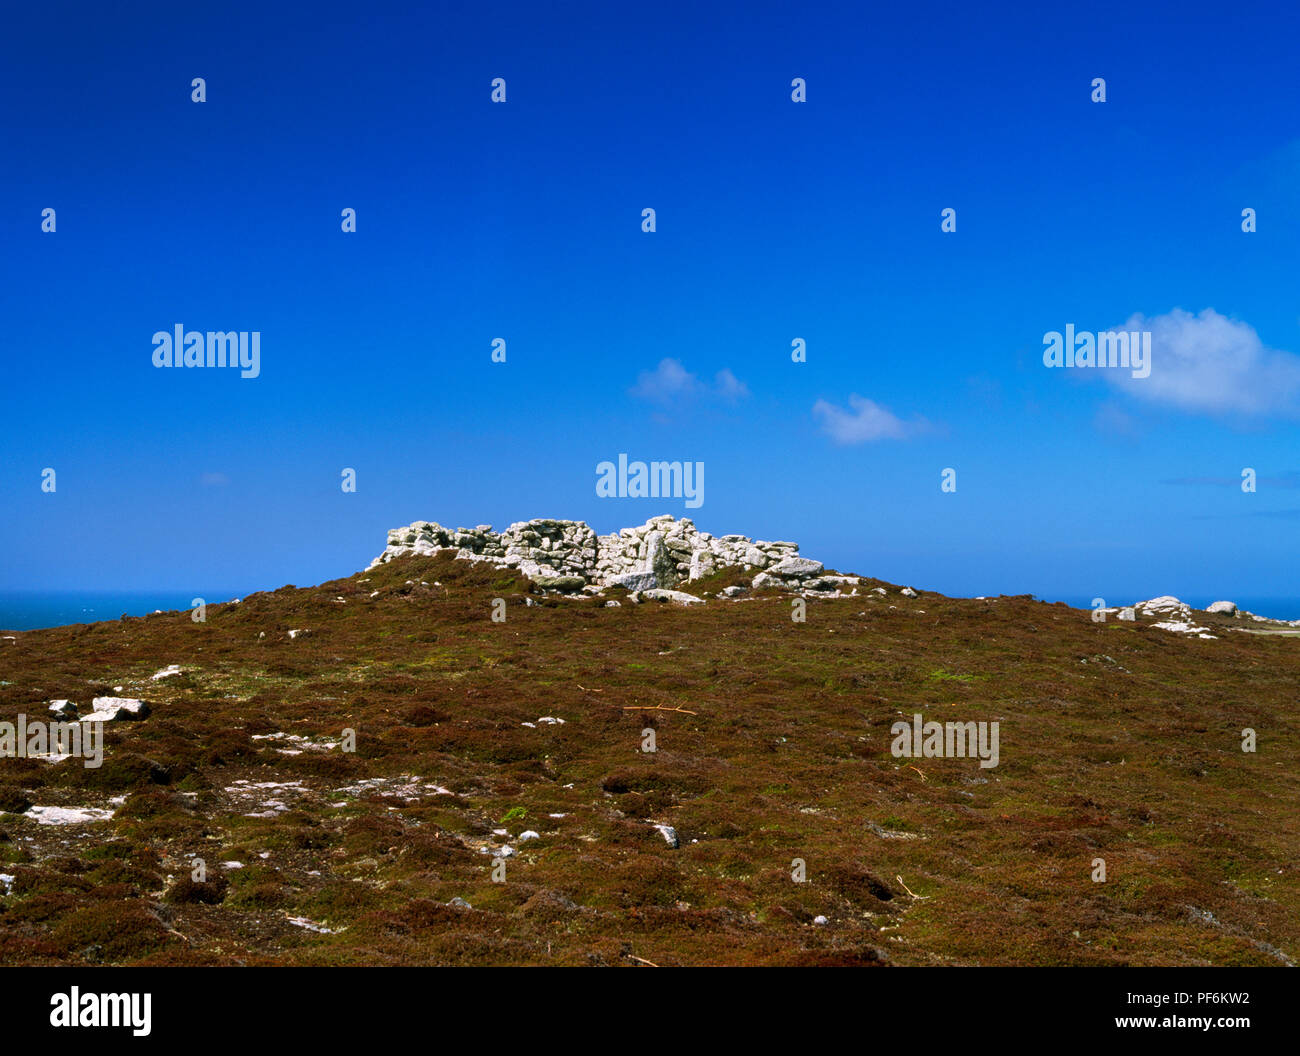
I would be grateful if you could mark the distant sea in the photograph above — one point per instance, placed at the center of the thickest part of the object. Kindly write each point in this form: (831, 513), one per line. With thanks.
(26, 611)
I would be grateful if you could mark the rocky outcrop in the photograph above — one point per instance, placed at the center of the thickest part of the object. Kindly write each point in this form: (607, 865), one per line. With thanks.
(569, 556)
(1171, 614)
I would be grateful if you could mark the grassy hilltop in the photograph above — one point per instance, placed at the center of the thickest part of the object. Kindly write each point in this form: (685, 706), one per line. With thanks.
(1119, 741)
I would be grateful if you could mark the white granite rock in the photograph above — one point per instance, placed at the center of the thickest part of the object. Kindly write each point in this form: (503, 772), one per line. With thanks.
(116, 709)
(677, 596)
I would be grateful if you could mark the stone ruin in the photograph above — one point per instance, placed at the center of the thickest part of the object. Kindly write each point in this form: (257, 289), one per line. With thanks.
(659, 555)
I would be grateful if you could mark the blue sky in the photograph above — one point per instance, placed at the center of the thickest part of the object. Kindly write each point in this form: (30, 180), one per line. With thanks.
(775, 220)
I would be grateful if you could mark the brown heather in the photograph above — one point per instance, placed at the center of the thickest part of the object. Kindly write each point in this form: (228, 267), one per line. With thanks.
(1133, 756)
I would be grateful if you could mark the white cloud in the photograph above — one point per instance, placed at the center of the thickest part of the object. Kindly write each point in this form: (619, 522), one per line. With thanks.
(667, 382)
(1114, 421)
(1210, 364)
(729, 387)
(670, 382)
(866, 421)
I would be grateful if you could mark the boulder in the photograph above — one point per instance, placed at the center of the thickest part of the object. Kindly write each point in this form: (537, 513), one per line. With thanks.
(633, 581)
(1166, 603)
(680, 597)
(1228, 608)
(798, 567)
(563, 584)
(659, 560)
(116, 709)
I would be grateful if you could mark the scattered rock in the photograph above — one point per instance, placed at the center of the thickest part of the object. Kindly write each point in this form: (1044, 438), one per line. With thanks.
(669, 834)
(67, 815)
(311, 925)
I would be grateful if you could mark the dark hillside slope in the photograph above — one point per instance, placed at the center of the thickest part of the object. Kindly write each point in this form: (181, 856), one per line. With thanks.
(1118, 741)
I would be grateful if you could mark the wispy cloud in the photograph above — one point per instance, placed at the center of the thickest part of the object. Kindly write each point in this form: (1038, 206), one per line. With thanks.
(1113, 421)
(670, 383)
(1211, 364)
(865, 421)
(729, 387)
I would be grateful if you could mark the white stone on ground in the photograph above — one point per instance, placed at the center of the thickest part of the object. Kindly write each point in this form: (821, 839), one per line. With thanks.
(114, 709)
(67, 815)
